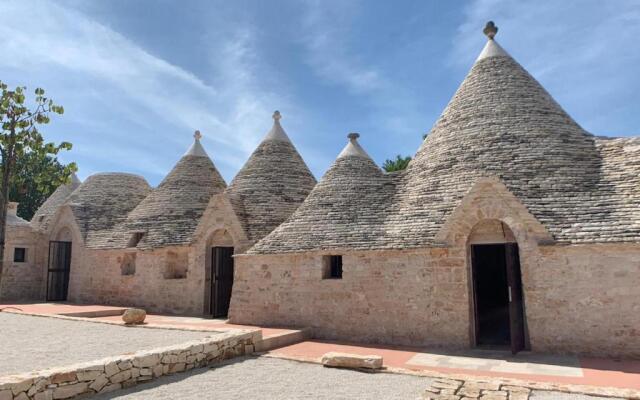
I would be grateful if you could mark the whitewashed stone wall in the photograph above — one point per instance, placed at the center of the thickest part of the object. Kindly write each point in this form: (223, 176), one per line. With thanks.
(124, 371)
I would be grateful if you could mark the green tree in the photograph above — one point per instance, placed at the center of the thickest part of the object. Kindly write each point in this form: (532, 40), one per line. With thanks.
(19, 138)
(398, 164)
(36, 177)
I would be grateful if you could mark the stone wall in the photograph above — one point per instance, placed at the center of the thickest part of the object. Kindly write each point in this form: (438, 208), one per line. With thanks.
(145, 278)
(408, 298)
(123, 371)
(23, 280)
(578, 299)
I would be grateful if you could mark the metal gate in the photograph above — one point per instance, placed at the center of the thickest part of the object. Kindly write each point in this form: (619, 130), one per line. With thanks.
(58, 270)
(221, 280)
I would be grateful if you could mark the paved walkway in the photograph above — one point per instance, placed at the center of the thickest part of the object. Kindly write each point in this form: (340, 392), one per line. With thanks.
(565, 370)
(545, 370)
(271, 379)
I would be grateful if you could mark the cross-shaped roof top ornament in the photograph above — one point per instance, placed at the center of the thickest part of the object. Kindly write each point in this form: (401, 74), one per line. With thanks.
(197, 135)
(277, 115)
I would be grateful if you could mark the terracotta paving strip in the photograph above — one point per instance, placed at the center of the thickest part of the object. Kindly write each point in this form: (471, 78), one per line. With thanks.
(596, 373)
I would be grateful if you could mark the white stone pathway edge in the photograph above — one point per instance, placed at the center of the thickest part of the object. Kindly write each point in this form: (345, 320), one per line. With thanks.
(113, 373)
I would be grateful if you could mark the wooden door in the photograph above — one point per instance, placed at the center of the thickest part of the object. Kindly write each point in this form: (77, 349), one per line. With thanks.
(516, 312)
(58, 270)
(221, 280)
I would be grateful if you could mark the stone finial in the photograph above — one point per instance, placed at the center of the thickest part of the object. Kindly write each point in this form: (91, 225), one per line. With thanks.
(197, 135)
(490, 29)
(353, 136)
(277, 116)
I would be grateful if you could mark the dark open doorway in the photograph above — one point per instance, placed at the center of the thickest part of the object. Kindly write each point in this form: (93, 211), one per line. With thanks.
(58, 270)
(221, 280)
(497, 287)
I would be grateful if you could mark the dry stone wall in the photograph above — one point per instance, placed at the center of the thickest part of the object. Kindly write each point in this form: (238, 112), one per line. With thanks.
(124, 371)
(22, 280)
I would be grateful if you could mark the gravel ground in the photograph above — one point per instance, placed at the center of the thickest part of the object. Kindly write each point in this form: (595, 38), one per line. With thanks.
(270, 378)
(30, 343)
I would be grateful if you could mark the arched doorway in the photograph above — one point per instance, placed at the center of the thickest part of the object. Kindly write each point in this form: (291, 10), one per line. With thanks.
(219, 274)
(497, 287)
(59, 266)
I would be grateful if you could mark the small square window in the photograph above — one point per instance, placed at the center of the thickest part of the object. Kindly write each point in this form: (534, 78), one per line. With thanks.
(19, 254)
(332, 267)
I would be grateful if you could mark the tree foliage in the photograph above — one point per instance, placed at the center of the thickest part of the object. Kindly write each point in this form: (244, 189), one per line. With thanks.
(21, 140)
(398, 164)
(36, 177)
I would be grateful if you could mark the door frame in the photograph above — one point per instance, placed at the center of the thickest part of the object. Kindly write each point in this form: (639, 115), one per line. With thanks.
(517, 316)
(66, 271)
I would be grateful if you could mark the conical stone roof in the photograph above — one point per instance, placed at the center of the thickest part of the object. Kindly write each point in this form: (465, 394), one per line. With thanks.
(102, 202)
(345, 209)
(169, 215)
(43, 215)
(271, 185)
(502, 123)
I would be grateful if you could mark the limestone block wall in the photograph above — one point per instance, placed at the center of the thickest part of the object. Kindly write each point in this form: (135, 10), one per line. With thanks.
(22, 280)
(585, 299)
(108, 277)
(578, 299)
(399, 297)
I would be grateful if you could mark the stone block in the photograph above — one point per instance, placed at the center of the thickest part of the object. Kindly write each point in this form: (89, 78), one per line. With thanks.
(177, 367)
(124, 365)
(111, 388)
(64, 377)
(146, 372)
(158, 370)
(19, 385)
(111, 369)
(121, 376)
(99, 383)
(45, 395)
(479, 385)
(89, 375)
(446, 384)
(145, 361)
(21, 396)
(345, 360)
(134, 316)
(468, 392)
(519, 389)
(67, 391)
(6, 395)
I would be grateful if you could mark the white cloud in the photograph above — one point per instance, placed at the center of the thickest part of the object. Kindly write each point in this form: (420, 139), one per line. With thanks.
(153, 93)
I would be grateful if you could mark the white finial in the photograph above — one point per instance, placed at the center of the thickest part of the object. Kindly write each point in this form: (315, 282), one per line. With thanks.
(353, 148)
(276, 132)
(196, 148)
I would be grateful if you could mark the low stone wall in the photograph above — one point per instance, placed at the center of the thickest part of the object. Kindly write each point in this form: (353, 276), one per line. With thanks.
(124, 371)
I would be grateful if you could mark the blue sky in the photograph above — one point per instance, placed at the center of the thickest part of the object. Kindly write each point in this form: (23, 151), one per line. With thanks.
(136, 78)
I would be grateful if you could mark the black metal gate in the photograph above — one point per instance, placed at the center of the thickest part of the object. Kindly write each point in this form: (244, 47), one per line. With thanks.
(221, 280)
(58, 270)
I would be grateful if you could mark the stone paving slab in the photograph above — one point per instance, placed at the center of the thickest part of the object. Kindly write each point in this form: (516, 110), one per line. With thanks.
(33, 343)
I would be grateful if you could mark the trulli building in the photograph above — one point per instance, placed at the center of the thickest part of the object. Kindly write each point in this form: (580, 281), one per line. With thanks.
(512, 226)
